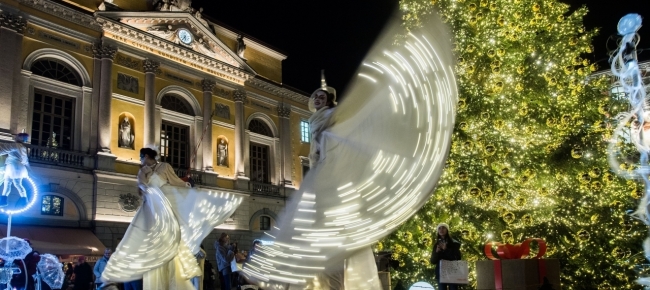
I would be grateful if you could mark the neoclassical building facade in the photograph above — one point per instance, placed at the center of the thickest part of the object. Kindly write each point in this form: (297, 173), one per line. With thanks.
(92, 82)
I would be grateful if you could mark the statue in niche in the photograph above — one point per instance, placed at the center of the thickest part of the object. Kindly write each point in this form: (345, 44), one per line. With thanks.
(126, 136)
(222, 153)
(241, 46)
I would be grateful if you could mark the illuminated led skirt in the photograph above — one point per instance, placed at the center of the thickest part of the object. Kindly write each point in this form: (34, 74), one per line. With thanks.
(380, 162)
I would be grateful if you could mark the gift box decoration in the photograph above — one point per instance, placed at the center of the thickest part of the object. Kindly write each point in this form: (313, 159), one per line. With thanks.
(513, 268)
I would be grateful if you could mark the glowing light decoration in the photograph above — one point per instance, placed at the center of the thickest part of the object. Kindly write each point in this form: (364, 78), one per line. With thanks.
(29, 204)
(13, 248)
(625, 67)
(421, 286)
(50, 272)
(380, 162)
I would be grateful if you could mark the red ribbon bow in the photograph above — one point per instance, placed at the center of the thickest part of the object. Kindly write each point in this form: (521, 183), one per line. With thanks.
(516, 251)
(511, 252)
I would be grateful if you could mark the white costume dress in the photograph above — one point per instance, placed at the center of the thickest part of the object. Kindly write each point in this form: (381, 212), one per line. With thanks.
(378, 156)
(167, 231)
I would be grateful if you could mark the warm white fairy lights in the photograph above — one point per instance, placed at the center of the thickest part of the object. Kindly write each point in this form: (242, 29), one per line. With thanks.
(31, 201)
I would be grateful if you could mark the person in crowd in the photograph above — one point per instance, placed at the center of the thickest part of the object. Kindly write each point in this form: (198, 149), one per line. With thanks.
(255, 248)
(238, 258)
(225, 255)
(134, 285)
(242, 278)
(208, 276)
(446, 248)
(83, 274)
(68, 276)
(100, 265)
(19, 281)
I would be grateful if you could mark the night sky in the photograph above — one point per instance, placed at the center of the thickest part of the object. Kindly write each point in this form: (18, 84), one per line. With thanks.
(335, 35)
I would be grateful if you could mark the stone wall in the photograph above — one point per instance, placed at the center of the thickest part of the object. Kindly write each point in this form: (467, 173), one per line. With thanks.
(110, 233)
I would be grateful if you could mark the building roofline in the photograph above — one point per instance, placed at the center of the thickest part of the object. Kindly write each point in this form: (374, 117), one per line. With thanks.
(274, 51)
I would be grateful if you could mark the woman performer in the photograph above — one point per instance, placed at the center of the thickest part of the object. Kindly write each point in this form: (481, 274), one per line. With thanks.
(160, 244)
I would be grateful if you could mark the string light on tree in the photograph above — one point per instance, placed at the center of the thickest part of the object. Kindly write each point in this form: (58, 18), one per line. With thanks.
(538, 124)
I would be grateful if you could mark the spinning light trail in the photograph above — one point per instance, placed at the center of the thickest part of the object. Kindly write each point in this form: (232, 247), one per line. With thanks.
(380, 161)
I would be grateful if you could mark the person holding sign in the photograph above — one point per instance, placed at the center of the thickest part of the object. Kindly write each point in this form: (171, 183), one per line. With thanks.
(446, 248)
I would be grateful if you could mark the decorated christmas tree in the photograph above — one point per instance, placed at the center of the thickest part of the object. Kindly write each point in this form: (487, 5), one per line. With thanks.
(529, 153)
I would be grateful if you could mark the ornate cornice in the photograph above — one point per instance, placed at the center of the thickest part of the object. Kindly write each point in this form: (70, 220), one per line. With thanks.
(150, 65)
(12, 21)
(208, 85)
(284, 110)
(205, 37)
(102, 51)
(278, 91)
(239, 96)
(63, 12)
(152, 44)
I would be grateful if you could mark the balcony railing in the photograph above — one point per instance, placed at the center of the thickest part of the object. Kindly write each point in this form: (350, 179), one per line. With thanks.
(198, 177)
(48, 155)
(266, 189)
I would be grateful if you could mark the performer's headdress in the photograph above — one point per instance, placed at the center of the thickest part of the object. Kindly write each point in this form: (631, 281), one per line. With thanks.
(154, 148)
(323, 87)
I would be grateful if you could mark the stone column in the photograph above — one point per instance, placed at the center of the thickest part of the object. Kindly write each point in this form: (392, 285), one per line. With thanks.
(94, 107)
(206, 145)
(20, 118)
(106, 53)
(239, 96)
(150, 67)
(11, 43)
(284, 112)
(86, 119)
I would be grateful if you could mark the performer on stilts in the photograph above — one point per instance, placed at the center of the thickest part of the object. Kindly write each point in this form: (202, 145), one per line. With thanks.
(15, 171)
(162, 240)
(374, 161)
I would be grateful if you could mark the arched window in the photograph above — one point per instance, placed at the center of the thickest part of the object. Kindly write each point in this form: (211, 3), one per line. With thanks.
(52, 205)
(55, 70)
(259, 127)
(265, 223)
(176, 104)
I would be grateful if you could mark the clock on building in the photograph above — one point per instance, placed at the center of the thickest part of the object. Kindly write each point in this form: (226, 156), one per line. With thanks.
(185, 36)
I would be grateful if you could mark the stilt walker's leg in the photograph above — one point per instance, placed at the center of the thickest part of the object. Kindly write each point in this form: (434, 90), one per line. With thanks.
(18, 183)
(5, 192)
(7, 189)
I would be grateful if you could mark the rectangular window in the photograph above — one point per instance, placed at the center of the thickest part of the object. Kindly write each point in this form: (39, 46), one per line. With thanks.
(52, 205)
(52, 121)
(265, 223)
(304, 131)
(259, 163)
(175, 145)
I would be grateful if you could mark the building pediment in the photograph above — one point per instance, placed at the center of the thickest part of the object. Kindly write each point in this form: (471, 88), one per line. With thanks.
(180, 31)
